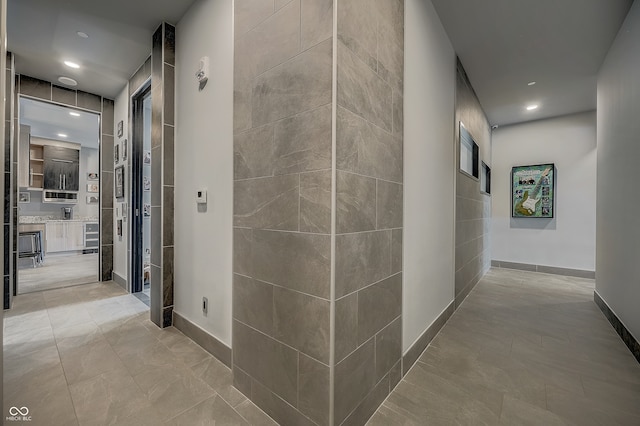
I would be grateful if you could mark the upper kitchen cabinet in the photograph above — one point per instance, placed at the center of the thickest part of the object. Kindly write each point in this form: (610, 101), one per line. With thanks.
(61, 168)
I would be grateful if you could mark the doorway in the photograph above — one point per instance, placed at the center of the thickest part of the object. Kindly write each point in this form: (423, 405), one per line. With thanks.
(58, 196)
(141, 194)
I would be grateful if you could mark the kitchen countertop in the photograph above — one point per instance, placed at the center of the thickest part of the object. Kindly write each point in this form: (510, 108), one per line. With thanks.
(44, 219)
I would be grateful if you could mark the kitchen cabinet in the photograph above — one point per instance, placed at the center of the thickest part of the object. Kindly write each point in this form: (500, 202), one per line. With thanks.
(91, 237)
(64, 236)
(61, 168)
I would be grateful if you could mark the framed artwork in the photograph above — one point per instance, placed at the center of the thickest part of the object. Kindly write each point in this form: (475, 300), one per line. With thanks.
(533, 191)
(119, 182)
(120, 128)
(124, 150)
(146, 183)
(146, 159)
(119, 227)
(93, 176)
(116, 154)
(93, 199)
(24, 197)
(469, 153)
(146, 210)
(93, 187)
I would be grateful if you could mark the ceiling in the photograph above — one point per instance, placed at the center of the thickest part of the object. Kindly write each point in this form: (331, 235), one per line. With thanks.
(505, 44)
(43, 33)
(49, 121)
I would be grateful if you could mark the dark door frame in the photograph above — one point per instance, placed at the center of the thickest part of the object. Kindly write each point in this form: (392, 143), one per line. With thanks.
(137, 152)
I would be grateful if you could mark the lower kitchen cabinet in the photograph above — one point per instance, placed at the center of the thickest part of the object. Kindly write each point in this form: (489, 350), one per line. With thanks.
(64, 236)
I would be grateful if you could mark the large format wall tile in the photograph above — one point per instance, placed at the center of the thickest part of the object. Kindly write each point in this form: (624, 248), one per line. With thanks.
(271, 363)
(268, 203)
(355, 203)
(362, 91)
(357, 29)
(253, 153)
(315, 202)
(354, 379)
(298, 85)
(249, 13)
(297, 261)
(389, 205)
(367, 149)
(303, 142)
(313, 391)
(378, 305)
(316, 22)
(388, 348)
(361, 259)
(253, 303)
(346, 312)
(270, 43)
(302, 322)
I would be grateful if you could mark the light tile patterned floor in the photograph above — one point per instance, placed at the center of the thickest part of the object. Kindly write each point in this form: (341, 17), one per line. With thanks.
(523, 349)
(59, 271)
(88, 355)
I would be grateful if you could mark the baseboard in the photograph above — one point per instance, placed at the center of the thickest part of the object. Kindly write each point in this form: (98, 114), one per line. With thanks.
(567, 272)
(411, 356)
(208, 342)
(122, 282)
(622, 331)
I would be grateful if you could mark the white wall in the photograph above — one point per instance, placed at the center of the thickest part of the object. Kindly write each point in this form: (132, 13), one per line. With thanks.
(120, 244)
(204, 159)
(568, 240)
(429, 192)
(618, 231)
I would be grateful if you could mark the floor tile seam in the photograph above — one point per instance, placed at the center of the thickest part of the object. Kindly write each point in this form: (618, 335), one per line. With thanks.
(215, 395)
(66, 380)
(247, 400)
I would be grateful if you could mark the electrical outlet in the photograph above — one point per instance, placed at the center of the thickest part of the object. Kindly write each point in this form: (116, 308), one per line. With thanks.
(205, 305)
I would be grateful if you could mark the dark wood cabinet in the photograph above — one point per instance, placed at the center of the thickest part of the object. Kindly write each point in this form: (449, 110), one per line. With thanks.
(61, 168)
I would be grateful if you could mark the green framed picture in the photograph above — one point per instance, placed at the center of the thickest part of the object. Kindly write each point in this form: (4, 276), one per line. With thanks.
(533, 191)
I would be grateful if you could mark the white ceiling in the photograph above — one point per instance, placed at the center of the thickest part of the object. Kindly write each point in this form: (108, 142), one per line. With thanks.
(48, 121)
(43, 33)
(505, 44)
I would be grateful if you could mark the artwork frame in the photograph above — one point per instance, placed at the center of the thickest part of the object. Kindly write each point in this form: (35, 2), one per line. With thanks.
(93, 187)
(93, 176)
(533, 191)
(24, 197)
(93, 199)
(116, 154)
(118, 182)
(124, 150)
(120, 128)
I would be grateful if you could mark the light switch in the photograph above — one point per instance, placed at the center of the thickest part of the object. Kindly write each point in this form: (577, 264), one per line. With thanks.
(201, 196)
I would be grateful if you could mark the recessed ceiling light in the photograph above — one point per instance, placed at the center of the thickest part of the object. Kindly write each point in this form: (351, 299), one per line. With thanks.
(532, 107)
(82, 34)
(68, 81)
(531, 83)
(63, 135)
(75, 114)
(71, 64)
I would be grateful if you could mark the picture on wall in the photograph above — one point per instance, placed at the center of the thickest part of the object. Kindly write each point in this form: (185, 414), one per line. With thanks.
(92, 199)
(120, 128)
(146, 159)
(93, 187)
(146, 210)
(124, 149)
(533, 191)
(119, 182)
(116, 154)
(92, 176)
(146, 183)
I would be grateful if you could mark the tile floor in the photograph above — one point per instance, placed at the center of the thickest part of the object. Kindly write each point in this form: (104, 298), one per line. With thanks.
(524, 348)
(88, 355)
(58, 271)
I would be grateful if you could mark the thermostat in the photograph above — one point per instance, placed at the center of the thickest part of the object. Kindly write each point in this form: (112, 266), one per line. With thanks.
(201, 196)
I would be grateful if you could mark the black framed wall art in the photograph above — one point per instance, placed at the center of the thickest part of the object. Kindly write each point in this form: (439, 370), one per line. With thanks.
(533, 191)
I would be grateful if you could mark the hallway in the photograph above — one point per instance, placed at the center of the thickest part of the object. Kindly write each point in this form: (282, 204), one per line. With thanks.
(523, 349)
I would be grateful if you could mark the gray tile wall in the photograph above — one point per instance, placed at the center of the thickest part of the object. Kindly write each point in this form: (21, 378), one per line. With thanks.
(46, 91)
(10, 166)
(282, 207)
(369, 200)
(162, 172)
(283, 175)
(473, 209)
